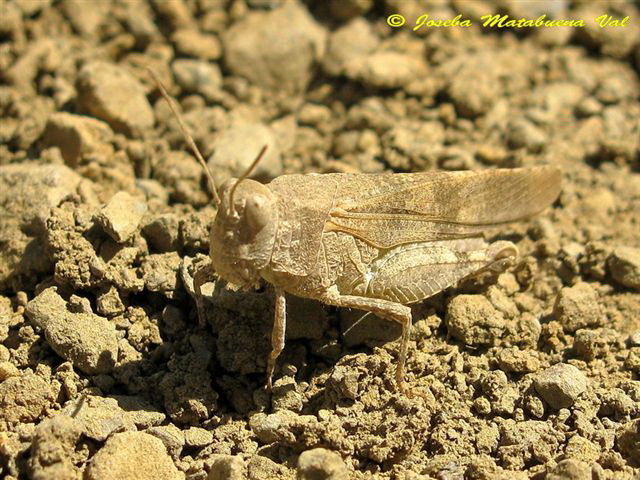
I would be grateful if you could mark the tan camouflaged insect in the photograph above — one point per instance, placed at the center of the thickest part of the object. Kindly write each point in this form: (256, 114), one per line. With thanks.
(374, 242)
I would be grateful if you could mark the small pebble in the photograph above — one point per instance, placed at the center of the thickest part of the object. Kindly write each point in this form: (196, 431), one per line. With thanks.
(197, 437)
(588, 107)
(519, 361)
(321, 464)
(349, 43)
(8, 369)
(560, 385)
(624, 264)
(163, 231)
(275, 49)
(523, 133)
(121, 217)
(197, 76)
(628, 440)
(237, 147)
(228, 467)
(77, 136)
(24, 398)
(160, 273)
(570, 469)
(132, 456)
(110, 93)
(387, 69)
(347, 9)
(171, 436)
(590, 344)
(193, 43)
(634, 339)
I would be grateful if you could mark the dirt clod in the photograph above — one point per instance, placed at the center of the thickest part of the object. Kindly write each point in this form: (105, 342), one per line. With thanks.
(24, 398)
(236, 147)
(85, 339)
(570, 469)
(473, 320)
(53, 449)
(577, 307)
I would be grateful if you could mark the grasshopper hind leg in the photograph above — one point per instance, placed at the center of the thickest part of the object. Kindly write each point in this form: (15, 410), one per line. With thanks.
(410, 273)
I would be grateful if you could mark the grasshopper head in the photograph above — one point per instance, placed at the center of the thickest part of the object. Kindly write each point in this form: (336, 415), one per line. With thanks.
(244, 231)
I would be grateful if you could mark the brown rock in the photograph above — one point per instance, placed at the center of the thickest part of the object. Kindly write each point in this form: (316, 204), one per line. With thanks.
(519, 361)
(346, 9)
(228, 467)
(77, 136)
(387, 69)
(560, 385)
(321, 464)
(53, 449)
(132, 456)
(570, 469)
(193, 43)
(590, 344)
(624, 264)
(236, 147)
(275, 49)
(162, 232)
(347, 44)
(198, 76)
(577, 307)
(121, 217)
(110, 93)
(27, 194)
(100, 417)
(171, 436)
(628, 440)
(160, 273)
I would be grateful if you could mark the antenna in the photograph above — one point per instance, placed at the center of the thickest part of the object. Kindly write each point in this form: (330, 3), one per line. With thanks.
(188, 138)
(246, 173)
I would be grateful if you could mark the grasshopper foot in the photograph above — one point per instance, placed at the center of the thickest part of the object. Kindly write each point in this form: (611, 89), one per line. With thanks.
(202, 276)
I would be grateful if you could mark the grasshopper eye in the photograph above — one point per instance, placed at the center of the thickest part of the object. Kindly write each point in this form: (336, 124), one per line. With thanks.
(258, 212)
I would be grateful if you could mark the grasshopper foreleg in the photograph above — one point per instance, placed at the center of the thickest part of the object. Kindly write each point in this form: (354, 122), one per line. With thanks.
(277, 334)
(203, 275)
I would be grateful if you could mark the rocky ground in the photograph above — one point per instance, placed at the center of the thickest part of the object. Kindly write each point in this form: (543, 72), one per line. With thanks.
(104, 215)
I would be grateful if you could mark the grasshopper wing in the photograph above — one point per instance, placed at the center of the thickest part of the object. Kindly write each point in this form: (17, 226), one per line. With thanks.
(417, 207)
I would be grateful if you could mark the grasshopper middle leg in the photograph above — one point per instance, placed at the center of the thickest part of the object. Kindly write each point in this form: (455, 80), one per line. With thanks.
(386, 309)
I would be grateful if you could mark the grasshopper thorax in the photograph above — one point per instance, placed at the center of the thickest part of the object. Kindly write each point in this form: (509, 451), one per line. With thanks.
(244, 232)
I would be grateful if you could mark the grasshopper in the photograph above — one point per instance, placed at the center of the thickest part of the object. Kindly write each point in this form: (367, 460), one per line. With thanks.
(374, 242)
